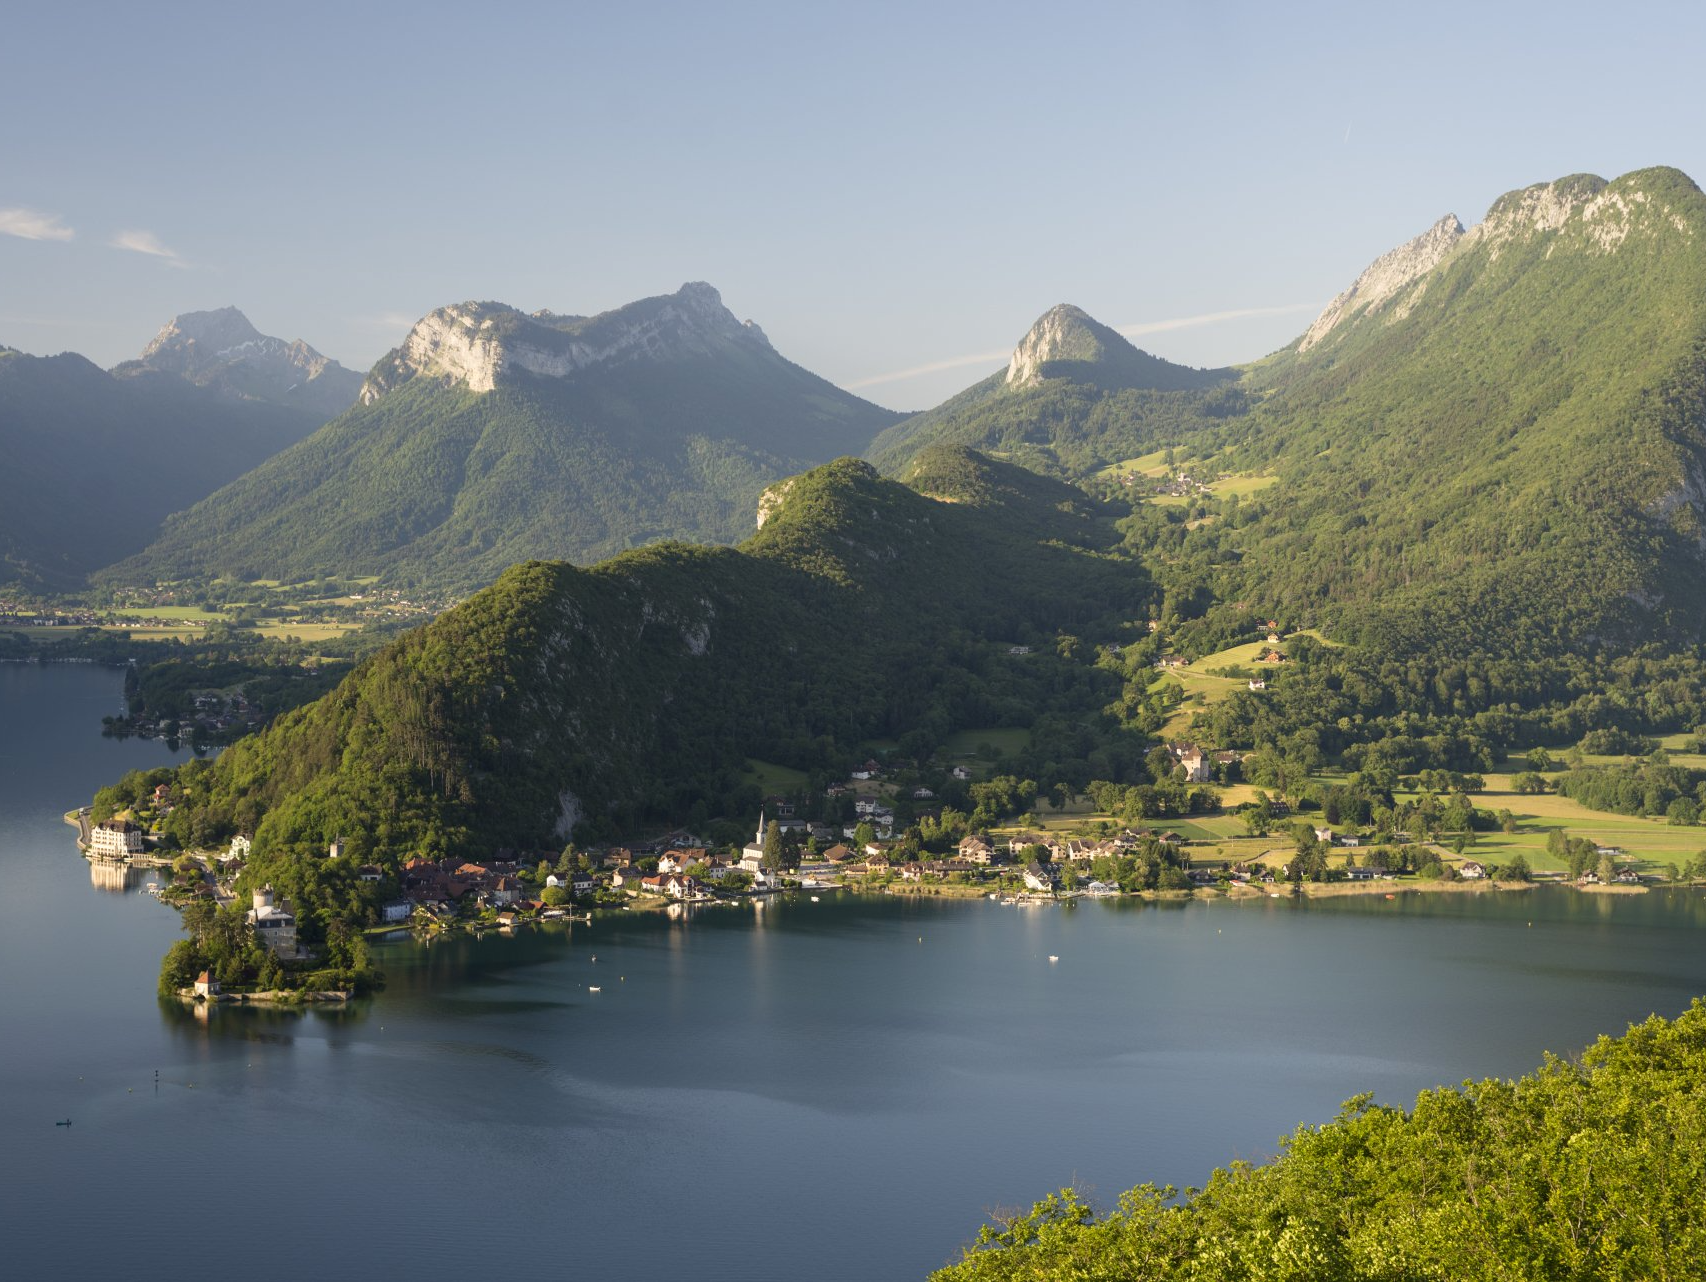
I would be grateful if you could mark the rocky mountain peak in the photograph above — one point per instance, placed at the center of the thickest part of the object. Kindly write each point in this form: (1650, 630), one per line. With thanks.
(1386, 276)
(1063, 333)
(477, 343)
(211, 333)
(221, 348)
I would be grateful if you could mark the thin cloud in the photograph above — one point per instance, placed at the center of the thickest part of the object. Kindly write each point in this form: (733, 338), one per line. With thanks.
(30, 224)
(1213, 318)
(146, 242)
(1130, 331)
(935, 367)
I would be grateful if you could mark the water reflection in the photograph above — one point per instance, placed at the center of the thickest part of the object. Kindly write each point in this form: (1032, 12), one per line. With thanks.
(114, 875)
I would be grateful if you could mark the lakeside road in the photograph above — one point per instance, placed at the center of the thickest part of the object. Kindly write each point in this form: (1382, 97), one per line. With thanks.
(79, 819)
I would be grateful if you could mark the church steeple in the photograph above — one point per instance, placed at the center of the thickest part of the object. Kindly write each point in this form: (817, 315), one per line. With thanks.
(759, 839)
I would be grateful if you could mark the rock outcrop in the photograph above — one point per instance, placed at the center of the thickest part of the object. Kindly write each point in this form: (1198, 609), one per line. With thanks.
(1386, 276)
(477, 343)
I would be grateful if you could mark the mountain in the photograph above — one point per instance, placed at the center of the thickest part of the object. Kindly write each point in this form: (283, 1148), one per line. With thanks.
(566, 700)
(222, 350)
(95, 461)
(1495, 437)
(492, 436)
(1075, 396)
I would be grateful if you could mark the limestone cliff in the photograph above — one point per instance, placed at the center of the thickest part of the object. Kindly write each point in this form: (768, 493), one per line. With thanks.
(477, 343)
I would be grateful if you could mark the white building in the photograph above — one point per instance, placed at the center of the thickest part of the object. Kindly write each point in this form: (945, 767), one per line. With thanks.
(274, 923)
(115, 839)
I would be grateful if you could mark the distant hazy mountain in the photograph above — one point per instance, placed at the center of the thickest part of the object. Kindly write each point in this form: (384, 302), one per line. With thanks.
(93, 461)
(493, 436)
(1075, 396)
(221, 349)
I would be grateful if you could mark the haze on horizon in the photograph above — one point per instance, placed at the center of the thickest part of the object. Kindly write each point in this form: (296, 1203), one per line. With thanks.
(894, 194)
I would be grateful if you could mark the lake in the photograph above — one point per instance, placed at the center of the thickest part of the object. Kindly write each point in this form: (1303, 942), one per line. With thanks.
(835, 1090)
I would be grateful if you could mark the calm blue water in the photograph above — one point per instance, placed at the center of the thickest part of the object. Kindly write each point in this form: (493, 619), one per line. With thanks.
(835, 1090)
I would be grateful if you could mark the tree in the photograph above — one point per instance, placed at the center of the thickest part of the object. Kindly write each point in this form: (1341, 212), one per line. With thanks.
(554, 896)
(1516, 870)
(772, 846)
(1607, 868)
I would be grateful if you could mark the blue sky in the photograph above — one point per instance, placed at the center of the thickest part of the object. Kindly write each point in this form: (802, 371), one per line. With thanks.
(884, 188)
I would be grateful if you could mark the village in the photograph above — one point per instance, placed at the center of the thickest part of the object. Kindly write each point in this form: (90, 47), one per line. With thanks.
(1014, 864)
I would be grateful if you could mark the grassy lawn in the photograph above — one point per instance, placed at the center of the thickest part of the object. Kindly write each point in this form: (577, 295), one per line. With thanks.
(775, 780)
(1153, 464)
(965, 743)
(1242, 486)
(308, 631)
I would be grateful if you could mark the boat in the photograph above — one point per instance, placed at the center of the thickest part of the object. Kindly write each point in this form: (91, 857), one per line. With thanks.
(66, 1122)
(1052, 958)
(814, 899)
(593, 988)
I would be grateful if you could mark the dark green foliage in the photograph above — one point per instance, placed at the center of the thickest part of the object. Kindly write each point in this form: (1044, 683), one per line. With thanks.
(589, 701)
(1647, 787)
(1580, 1170)
(94, 462)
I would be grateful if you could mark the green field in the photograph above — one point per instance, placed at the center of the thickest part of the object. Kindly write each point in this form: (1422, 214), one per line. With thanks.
(1008, 740)
(775, 780)
(1202, 689)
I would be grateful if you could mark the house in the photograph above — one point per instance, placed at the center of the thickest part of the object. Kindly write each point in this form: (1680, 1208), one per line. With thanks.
(504, 892)
(922, 794)
(1194, 761)
(1360, 874)
(370, 872)
(1350, 841)
(1258, 684)
(115, 839)
(960, 773)
(395, 911)
(977, 850)
(1037, 877)
(206, 986)
(1324, 836)
(672, 861)
(627, 877)
(337, 848)
(1469, 870)
(1628, 877)
(913, 871)
(1018, 650)
(1271, 656)
(274, 923)
(838, 854)
(582, 882)
(683, 887)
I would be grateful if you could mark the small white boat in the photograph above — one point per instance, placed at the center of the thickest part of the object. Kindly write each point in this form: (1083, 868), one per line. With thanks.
(1052, 958)
(594, 988)
(814, 899)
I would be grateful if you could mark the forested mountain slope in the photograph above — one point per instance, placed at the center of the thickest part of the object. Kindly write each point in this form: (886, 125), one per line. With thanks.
(1496, 438)
(493, 436)
(635, 689)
